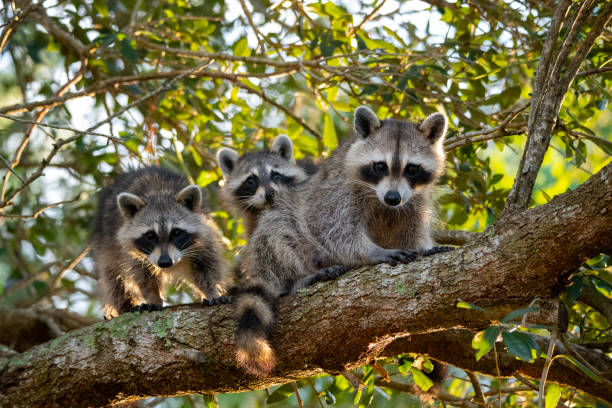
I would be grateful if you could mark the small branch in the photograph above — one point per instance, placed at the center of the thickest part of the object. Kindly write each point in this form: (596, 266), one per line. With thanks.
(596, 28)
(277, 105)
(549, 354)
(10, 168)
(603, 70)
(59, 127)
(11, 26)
(38, 212)
(297, 394)
(498, 373)
(61, 35)
(369, 16)
(316, 393)
(116, 82)
(477, 390)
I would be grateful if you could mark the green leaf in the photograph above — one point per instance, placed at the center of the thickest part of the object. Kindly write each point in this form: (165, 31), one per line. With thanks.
(333, 10)
(484, 341)
(427, 365)
(574, 291)
(582, 367)
(516, 313)
(421, 379)
(496, 178)
(553, 393)
(128, 50)
(510, 95)
(241, 48)
(465, 305)
(330, 140)
(280, 394)
(519, 345)
(404, 365)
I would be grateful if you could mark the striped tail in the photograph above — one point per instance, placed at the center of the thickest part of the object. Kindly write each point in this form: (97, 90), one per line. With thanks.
(255, 316)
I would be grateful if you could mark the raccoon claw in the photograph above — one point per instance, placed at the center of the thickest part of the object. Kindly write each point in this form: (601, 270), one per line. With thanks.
(401, 256)
(331, 273)
(146, 307)
(437, 250)
(217, 301)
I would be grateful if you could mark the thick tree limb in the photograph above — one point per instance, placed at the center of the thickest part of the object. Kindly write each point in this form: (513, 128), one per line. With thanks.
(331, 327)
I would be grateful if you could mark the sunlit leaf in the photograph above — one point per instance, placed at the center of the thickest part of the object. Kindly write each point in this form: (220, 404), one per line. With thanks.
(483, 341)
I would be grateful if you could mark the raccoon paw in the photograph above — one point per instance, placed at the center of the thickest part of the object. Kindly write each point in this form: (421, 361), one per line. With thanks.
(331, 273)
(217, 301)
(146, 307)
(395, 256)
(437, 250)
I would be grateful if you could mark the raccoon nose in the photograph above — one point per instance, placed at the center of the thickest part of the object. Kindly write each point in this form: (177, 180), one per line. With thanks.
(393, 198)
(164, 261)
(269, 195)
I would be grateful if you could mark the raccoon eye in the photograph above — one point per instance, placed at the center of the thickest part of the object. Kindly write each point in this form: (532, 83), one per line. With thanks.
(176, 232)
(150, 236)
(380, 167)
(276, 177)
(251, 181)
(412, 169)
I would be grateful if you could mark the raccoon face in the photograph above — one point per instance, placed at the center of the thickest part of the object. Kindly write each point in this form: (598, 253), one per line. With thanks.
(396, 159)
(160, 229)
(254, 180)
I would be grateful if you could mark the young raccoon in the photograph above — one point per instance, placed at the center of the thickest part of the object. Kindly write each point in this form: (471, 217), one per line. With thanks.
(280, 257)
(150, 229)
(370, 201)
(253, 180)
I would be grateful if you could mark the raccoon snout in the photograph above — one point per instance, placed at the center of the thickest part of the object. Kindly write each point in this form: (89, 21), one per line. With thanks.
(270, 195)
(393, 198)
(164, 261)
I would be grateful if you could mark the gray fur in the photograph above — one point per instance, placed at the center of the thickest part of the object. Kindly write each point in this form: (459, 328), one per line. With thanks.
(236, 169)
(348, 214)
(281, 257)
(153, 198)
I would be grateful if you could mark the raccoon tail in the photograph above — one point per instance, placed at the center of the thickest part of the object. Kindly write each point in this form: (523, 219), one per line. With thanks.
(255, 316)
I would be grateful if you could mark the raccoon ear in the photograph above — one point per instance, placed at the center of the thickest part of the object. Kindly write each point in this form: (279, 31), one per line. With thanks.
(227, 159)
(365, 121)
(283, 146)
(190, 197)
(434, 127)
(129, 204)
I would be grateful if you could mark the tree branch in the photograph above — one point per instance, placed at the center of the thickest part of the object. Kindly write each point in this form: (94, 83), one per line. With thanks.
(335, 326)
(550, 87)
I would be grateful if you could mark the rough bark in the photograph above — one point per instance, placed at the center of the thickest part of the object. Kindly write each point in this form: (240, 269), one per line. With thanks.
(331, 327)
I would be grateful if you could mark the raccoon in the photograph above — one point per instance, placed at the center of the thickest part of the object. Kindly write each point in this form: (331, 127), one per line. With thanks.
(253, 180)
(370, 201)
(149, 229)
(281, 256)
